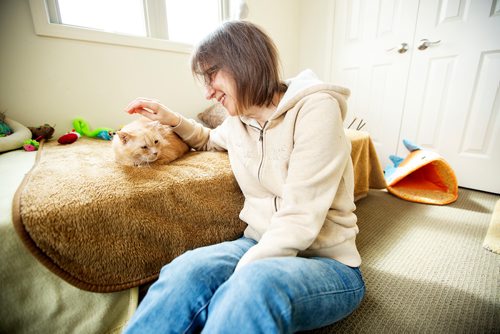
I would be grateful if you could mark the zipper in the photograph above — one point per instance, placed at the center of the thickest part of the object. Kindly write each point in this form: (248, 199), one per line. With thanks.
(261, 140)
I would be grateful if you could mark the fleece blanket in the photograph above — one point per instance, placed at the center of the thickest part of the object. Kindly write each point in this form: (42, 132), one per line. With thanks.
(368, 173)
(104, 227)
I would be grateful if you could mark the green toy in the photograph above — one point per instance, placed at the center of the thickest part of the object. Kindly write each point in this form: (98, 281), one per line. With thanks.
(82, 127)
(31, 145)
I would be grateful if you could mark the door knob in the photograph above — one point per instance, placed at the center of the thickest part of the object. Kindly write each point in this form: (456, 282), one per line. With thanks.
(425, 43)
(401, 48)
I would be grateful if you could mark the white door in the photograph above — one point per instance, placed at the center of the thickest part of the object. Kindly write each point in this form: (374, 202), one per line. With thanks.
(371, 61)
(453, 96)
(445, 97)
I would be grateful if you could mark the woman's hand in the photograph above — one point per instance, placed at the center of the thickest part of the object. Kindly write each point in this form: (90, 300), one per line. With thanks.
(153, 110)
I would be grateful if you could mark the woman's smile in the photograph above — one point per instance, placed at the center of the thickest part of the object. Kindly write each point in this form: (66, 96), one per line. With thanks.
(222, 88)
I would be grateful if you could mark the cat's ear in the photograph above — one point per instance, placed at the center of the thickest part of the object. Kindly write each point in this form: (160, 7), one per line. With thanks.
(124, 136)
(155, 124)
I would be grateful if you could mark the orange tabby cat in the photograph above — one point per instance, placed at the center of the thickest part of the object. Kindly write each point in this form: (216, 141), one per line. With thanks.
(143, 142)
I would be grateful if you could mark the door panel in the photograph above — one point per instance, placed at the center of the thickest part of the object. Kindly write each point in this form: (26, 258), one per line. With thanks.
(452, 101)
(445, 97)
(367, 36)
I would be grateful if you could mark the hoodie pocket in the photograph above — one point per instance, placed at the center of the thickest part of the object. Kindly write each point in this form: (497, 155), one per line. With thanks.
(257, 213)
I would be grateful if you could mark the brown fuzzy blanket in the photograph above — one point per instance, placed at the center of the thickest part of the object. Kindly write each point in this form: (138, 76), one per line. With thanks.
(104, 227)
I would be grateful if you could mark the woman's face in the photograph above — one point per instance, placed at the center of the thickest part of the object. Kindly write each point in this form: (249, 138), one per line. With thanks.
(221, 86)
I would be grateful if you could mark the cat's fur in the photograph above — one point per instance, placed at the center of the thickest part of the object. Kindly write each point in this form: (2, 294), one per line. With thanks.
(144, 142)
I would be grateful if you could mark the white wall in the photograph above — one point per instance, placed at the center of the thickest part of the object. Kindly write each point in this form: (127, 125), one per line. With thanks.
(53, 80)
(316, 36)
(280, 19)
(302, 30)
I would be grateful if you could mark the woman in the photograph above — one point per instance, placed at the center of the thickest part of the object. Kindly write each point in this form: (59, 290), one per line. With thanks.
(296, 268)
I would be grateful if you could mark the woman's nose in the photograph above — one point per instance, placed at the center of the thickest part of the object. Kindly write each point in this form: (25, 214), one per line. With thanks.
(209, 92)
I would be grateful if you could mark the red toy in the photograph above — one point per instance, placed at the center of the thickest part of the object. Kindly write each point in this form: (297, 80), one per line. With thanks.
(69, 137)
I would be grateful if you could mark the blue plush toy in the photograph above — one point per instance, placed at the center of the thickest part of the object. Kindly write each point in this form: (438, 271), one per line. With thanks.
(396, 161)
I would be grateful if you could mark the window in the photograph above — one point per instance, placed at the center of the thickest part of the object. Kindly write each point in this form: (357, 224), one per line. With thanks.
(101, 15)
(205, 18)
(172, 25)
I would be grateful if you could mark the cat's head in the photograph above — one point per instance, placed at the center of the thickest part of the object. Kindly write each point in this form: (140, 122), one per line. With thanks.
(138, 147)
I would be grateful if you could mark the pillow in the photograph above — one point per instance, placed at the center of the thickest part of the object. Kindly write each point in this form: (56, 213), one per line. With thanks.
(20, 133)
(213, 116)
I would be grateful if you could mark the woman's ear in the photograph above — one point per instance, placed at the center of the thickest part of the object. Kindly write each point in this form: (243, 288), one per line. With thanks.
(154, 125)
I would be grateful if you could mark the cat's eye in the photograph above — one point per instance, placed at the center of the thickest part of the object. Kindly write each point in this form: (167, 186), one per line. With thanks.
(156, 141)
(144, 147)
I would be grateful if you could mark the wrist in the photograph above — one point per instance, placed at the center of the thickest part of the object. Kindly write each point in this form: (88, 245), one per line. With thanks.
(176, 120)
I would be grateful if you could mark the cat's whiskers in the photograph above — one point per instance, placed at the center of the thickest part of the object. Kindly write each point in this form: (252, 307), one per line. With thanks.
(144, 143)
(144, 161)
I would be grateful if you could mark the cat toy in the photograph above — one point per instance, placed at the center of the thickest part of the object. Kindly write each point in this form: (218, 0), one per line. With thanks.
(43, 132)
(82, 127)
(69, 137)
(423, 177)
(31, 145)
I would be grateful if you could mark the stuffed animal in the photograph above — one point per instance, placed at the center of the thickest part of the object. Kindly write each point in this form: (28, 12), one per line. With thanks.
(5, 129)
(42, 132)
(69, 137)
(31, 145)
(83, 129)
(423, 176)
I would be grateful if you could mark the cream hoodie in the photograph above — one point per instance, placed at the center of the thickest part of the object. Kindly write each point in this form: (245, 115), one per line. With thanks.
(295, 173)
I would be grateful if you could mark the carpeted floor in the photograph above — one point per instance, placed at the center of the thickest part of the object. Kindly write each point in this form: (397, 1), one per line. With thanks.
(492, 239)
(425, 268)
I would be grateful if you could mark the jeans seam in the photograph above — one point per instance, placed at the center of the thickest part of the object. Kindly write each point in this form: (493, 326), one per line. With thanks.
(194, 318)
(329, 293)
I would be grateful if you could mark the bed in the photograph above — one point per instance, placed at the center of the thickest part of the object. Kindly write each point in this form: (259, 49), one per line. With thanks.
(72, 242)
(33, 299)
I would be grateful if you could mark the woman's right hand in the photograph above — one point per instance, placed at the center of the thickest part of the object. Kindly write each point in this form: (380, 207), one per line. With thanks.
(153, 110)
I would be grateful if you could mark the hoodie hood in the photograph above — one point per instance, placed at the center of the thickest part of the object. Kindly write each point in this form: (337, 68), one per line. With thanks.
(307, 83)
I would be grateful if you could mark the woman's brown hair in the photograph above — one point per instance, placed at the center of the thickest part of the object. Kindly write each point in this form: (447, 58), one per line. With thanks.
(248, 54)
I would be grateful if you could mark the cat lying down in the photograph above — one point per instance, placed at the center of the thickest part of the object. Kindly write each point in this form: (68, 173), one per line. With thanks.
(144, 142)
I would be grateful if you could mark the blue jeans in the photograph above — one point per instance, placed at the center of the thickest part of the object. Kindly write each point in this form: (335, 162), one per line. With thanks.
(200, 292)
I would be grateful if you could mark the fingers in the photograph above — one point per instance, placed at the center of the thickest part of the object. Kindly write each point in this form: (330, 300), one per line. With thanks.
(153, 110)
(141, 104)
(147, 114)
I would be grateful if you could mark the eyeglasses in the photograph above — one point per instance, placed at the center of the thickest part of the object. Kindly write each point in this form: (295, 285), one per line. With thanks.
(210, 73)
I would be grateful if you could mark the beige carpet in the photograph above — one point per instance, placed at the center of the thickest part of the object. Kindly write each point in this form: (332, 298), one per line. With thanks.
(425, 268)
(492, 239)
